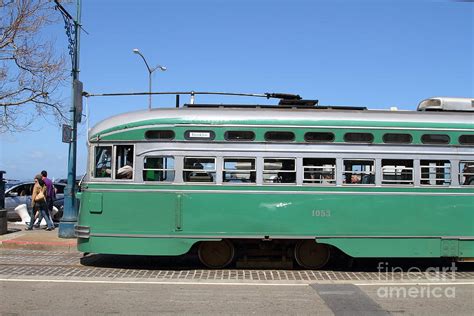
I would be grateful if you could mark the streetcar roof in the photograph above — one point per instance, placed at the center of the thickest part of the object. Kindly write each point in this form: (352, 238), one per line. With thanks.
(282, 116)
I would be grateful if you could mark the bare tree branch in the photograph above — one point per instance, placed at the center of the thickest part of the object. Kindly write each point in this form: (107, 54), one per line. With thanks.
(31, 74)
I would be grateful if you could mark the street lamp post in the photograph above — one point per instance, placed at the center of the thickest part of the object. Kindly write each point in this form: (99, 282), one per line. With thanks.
(73, 28)
(150, 71)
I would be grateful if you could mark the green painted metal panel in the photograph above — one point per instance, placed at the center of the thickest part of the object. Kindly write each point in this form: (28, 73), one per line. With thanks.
(466, 248)
(94, 201)
(449, 248)
(136, 246)
(393, 247)
(331, 212)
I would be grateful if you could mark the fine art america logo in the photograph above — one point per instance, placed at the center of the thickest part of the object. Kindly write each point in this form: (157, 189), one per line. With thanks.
(419, 283)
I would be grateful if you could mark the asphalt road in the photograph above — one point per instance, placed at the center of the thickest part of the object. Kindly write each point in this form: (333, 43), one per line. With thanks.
(42, 282)
(109, 297)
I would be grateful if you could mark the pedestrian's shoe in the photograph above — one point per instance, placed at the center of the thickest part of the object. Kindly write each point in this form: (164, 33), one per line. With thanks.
(49, 228)
(28, 228)
(36, 226)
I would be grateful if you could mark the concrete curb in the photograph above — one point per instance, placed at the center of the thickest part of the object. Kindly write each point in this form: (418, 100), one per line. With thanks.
(70, 246)
(18, 238)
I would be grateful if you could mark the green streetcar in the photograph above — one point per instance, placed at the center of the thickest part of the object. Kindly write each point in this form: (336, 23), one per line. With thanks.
(295, 179)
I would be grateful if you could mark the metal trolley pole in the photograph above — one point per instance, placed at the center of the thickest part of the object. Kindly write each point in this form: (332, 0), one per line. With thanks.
(73, 28)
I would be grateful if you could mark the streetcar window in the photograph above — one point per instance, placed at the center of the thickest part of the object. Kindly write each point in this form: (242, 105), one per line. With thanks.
(435, 139)
(466, 174)
(239, 170)
(397, 171)
(359, 172)
(279, 170)
(466, 139)
(277, 136)
(159, 135)
(435, 172)
(239, 135)
(199, 135)
(358, 137)
(397, 138)
(158, 168)
(103, 162)
(319, 171)
(124, 162)
(199, 169)
(319, 137)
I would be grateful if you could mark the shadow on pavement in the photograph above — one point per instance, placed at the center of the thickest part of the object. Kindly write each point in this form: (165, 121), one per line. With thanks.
(337, 263)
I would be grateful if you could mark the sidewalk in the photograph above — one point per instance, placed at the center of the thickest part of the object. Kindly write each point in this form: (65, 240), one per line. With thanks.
(36, 239)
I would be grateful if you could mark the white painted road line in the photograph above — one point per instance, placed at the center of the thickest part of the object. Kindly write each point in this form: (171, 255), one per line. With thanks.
(151, 282)
(236, 283)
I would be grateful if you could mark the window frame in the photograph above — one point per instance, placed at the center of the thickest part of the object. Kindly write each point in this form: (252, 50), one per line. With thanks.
(372, 138)
(316, 182)
(333, 137)
(295, 171)
(208, 171)
(436, 179)
(249, 171)
(465, 143)
(157, 169)
(279, 141)
(373, 173)
(94, 162)
(115, 165)
(423, 140)
(405, 134)
(226, 136)
(404, 183)
(464, 174)
(160, 139)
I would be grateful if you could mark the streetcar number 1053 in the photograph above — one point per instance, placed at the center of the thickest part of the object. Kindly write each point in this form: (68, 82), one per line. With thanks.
(321, 213)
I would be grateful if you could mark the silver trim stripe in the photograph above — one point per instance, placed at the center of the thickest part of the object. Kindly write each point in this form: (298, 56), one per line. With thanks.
(332, 127)
(284, 192)
(285, 126)
(365, 150)
(262, 237)
(82, 231)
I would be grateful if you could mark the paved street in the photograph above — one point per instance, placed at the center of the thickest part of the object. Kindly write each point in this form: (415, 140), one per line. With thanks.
(59, 264)
(41, 282)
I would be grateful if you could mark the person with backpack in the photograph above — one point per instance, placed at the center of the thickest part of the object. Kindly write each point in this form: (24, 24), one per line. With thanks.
(38, 202)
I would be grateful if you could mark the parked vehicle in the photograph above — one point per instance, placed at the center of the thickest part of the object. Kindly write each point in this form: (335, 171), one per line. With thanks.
(20, 193)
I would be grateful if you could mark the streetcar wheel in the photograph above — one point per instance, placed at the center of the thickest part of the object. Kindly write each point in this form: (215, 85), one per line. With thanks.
(311, 255)
(216, 254)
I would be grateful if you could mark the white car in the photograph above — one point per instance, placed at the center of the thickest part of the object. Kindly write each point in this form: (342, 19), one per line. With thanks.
(20, 193)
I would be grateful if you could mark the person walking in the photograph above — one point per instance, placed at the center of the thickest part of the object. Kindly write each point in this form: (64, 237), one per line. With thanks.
(50, 197)
(38, 201)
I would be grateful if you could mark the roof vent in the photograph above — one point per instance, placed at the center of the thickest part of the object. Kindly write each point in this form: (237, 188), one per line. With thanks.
(447, 104)
(298, 102)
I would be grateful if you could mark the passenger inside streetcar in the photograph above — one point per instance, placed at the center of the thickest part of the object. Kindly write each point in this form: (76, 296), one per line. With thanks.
(468, 172)
(355, 179)
(124, 161)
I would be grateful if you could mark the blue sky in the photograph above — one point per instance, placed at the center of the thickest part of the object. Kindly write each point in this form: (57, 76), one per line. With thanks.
(364, 53)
